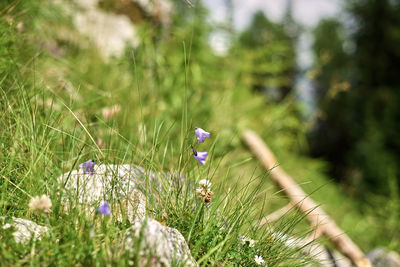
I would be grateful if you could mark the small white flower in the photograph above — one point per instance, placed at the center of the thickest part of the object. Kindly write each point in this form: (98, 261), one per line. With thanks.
(259, 260)
(251, 242)
(204, 191)
(205, 183)
(244, 239)
(42, 203)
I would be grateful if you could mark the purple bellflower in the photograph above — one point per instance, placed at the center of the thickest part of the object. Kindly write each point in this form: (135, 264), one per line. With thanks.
(88, 167)
(201, 135)
(200, 156)
(104, 209)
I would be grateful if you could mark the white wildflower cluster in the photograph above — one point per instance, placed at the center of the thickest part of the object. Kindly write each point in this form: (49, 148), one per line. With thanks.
(259, 260)
(245, 240)
(205, 183)
(204, 191)
(42, 203)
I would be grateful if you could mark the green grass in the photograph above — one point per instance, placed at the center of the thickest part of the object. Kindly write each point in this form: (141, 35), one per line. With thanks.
(49, 130)
(51, 120)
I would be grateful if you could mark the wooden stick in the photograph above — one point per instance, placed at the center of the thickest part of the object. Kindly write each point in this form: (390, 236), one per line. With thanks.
(276, 214)
(298, 197)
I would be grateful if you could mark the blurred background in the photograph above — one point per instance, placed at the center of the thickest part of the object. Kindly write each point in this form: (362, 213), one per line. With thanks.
(341, 61)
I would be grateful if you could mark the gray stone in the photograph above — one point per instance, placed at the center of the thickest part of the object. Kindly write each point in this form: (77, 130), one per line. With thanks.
(134, 206)
(381, 258)
(109, 32)
(25, 230)
(125, 185)
(166, 245)
(159, 9)
(321, 255)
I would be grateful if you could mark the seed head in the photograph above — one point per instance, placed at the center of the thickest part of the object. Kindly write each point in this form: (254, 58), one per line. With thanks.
(42, 203)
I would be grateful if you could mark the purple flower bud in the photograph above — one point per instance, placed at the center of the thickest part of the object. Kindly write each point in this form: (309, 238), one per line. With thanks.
(104, 209)
(201, 135)
(200, 156)
(88, 167)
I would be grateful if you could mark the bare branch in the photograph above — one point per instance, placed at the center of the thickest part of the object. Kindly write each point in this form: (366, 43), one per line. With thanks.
(304, 203)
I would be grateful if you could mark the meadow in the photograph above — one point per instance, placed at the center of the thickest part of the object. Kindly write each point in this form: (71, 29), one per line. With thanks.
(62, 104)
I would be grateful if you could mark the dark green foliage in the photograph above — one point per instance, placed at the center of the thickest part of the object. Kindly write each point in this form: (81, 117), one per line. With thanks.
(332, 135)
(268, 57)
(377, 88)
(359, 96)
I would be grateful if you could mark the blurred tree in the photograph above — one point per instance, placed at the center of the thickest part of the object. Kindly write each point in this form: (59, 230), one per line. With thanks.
(268, 57)
(331, 61)
(377, 90)
(358, 96)
(331, 137)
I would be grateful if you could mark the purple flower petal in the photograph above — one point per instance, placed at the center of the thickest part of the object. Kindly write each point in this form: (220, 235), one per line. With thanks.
(88, 167)
(201, 135)
(200, 157)
(104, 209)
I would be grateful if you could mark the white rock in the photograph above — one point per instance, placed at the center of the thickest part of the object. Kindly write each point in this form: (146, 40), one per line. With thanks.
(318, 252)
(164, 243)
(134, 205)
(381, 258)
(118, 184)
(25, 230)
(161, 9)
(109, 32)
